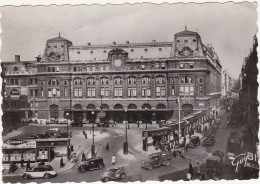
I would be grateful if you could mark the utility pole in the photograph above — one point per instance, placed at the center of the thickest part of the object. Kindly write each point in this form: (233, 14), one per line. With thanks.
(93, 154)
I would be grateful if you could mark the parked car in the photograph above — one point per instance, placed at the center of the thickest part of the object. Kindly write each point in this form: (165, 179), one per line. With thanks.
(157, 160)
(91, 164)
(209, 141)
(40, 171)
(195, 140)
(114, 173)
(214, 165)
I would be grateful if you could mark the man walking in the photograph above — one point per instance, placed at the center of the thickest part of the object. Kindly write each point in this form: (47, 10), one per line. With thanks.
(190, 169)
(83, 157)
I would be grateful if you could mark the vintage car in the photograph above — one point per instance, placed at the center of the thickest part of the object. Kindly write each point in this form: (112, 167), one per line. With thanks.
(214, 165)
(157, 160)
(40, 171)
(114, 173)
(91, 164)
(209, 141)
(195, 140)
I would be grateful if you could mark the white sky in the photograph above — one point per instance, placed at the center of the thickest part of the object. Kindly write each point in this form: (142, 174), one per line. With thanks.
(228, 27)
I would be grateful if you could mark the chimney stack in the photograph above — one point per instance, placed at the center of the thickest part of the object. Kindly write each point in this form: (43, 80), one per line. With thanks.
(38, 58)
(17, 58)
(127, 42)
(114, 43)
(89, 43)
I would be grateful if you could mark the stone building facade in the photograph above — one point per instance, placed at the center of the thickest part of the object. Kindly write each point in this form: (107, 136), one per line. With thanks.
(139, 80)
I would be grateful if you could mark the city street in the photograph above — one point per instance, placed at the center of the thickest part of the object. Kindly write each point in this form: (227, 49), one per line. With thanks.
(115, 136)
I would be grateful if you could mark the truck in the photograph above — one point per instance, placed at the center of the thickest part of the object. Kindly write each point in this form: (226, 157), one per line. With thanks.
(157, 159)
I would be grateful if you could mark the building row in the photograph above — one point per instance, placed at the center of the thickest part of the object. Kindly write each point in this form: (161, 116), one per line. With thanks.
(143, 80)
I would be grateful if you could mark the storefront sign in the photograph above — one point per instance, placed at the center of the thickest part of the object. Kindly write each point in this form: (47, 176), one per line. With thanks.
(244, 158)
(22, 145)
(156, 132)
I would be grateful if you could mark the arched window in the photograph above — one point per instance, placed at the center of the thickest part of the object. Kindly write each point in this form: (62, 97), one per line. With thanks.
(160, 106)
(146, 86)
(160, 86)
(132, 106)
(118, 87)
(91, 81)
(118, 106)
(77, 82)
(77, 106)
(146, 106)
(53, 82)
(118, 81)
(104, 106)
(104, 87)
(91, 106)
(186, 86)
(186, 80)
(131, 81)
(131, 90)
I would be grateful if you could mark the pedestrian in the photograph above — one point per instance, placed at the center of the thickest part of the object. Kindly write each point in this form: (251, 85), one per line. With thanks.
(28, 166)
(113, 159)
(199, 169)
(190, 169)
(174, 154)
(107, 146)
(227, 122)
(86, 136)
(83, 157)
(61, 162)
(84, 132)
(22, 163)
(184, 141)
(71, 148)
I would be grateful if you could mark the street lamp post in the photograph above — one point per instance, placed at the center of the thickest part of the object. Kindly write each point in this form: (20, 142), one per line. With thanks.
(67, 115)
(179, 132)
(145, 118)
(93, 144)
(126, 143)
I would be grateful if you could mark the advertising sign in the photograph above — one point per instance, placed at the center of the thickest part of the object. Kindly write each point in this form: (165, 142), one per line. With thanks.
(21, 145)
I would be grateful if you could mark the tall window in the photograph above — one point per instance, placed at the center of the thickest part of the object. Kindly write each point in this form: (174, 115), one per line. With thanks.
(14, 82)
(131, 84)
(146, 87)
(104, 87)
(160, 86)
(118, 87)
(186, 86)
(173, 86)
(77, 82)
(54, 88)
(91, 87)
(77, 92)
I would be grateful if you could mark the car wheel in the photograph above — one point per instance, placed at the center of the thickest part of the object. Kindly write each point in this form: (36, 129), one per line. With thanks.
(167, 163)
(27, 176)
(123, 176)
(46, 175)
(106, 179)
(101, 166)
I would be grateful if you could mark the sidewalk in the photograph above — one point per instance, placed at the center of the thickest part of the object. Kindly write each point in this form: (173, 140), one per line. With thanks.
(55, 163)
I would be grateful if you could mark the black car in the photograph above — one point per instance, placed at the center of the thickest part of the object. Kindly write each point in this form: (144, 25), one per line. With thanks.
(91, 164)
(195, 140)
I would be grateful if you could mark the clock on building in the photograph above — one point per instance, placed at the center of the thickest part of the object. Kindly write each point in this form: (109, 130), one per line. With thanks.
(186, 51)
(117, 62)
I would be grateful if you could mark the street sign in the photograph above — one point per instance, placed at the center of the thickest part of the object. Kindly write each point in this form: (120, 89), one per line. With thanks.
(101, 114)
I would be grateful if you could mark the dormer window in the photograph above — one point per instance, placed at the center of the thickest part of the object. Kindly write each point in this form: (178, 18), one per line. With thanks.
(62, 46)
(78, 52)
(91, 52)
(145, 50)
(132, 50)
(194, 40)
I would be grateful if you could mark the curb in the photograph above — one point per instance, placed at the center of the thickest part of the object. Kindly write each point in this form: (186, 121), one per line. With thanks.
(12, 175)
